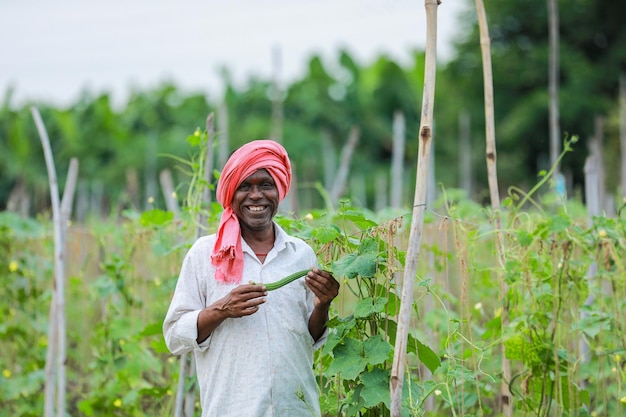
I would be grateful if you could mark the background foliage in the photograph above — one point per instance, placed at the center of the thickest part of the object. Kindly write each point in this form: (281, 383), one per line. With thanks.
(565, 272)
(327, 100)
(566, 337)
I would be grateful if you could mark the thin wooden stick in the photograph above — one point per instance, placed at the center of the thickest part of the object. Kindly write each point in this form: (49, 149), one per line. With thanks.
(465, 152)
(222, 145)
(167, 185)
(397, 159)
(553, 87)
(67, 200)
(208, 172)
(277, 96)
(344, 167)
(492, 173)
(622, 131)
(57, 325)
(51, 349)
(50, 367)
(419, 207)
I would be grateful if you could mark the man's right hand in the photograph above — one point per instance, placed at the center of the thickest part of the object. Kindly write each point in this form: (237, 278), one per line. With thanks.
(243, 300)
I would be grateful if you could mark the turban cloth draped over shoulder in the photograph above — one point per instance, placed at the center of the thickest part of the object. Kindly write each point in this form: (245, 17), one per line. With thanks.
(227, 256)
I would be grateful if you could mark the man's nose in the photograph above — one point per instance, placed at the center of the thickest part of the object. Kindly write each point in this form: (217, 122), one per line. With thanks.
(255, 192)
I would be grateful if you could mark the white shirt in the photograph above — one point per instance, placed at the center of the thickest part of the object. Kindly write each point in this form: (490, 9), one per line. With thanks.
(259, 365)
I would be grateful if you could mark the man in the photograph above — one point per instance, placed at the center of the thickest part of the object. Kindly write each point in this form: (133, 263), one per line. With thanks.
(253, 348)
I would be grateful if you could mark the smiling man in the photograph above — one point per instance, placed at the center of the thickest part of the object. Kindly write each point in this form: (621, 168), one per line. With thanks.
(253, 348)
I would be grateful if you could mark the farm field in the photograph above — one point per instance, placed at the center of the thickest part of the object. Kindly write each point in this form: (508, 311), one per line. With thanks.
(486, 280)
(565, 337)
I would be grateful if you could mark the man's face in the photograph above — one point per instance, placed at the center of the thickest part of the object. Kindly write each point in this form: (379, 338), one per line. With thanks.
(255, 201)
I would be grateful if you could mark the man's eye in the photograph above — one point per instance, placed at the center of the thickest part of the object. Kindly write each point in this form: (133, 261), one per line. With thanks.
(244, 187)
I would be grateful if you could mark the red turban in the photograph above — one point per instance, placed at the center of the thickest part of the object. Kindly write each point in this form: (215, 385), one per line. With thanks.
(227, 256)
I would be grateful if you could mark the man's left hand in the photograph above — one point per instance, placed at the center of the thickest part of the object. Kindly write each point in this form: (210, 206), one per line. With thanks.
(324, 286)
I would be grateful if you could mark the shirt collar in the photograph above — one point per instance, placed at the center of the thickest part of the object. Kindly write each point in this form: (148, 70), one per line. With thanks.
(281, 240)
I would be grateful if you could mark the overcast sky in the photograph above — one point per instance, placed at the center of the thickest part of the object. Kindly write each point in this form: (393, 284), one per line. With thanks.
(50, 50)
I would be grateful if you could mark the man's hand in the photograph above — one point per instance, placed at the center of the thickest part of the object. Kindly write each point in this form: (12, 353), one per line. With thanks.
(324, 286)
(242, 301)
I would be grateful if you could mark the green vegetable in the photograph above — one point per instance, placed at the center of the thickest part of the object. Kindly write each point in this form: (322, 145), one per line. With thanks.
(289, 278)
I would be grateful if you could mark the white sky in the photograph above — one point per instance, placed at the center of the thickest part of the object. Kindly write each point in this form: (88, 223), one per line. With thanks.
(50, 50)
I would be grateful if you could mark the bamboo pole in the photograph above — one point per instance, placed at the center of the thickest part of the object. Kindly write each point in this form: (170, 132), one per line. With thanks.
(277, 96)
(151, 169)
(622, 132)
(51, 349)
(329, 161)
(397, 159)
(598, 149)
(341, 178)
(67, 200)
(222, 124)
(419, 207)
(380, 199)
(50, 367)
(57, 331)
(465, 153)
(492, 172)
(553, 28)
(169, 192)
(208, 171)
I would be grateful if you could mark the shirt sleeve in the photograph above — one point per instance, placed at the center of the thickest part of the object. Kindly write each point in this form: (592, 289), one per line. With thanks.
(180, 327)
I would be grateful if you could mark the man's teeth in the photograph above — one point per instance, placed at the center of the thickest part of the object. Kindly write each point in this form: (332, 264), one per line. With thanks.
(256, 208)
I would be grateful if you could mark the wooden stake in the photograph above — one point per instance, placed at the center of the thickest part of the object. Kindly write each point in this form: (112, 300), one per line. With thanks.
(553, 28)
(277, 96)
(492, 172)
(397, 159)
(465, 153)
(622, 131)
(57, 330)
(341, 178)
(419, 207)
(222, 145)
(207, 174)
(167, 186)
(52, 348)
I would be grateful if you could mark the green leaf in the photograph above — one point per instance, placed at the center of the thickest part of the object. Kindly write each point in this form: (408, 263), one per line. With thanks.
(375, 387)
(158, 345)
(593, 324)
(195, 139)
(427, 356)
(333, 340)
(524, 238)
(354, 265)
(358, 218)
(152, 329)
(369, 245)
(368, 306)
(349, 360)
(20, 227)
(393, 301)
(376, 350)
(326, 234)
(493, 328)
(352, 356)
(156, 217)
(559, 224)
